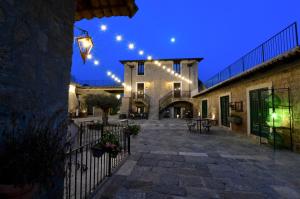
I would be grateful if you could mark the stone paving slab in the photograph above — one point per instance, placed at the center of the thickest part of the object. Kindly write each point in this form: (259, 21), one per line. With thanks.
(168, 162)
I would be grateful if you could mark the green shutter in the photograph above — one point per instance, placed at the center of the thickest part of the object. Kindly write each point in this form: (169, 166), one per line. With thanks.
(204, 109)
(224, 102)
(259, 112)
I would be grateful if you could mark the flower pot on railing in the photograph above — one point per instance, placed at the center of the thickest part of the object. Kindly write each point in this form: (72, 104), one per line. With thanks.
(132, 130)
(97, 151)
(234, 119)
(109, 143)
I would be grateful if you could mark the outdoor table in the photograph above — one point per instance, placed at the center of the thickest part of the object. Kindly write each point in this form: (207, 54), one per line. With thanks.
(199, 124)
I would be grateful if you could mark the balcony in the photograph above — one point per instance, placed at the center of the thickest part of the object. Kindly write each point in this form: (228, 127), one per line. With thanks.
(174, 96)
(139, 97)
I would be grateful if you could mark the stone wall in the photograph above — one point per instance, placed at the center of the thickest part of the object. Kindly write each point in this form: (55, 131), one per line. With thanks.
(284, 74)
(35, 59)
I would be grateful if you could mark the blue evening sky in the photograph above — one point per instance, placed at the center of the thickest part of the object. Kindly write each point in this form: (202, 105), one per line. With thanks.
(217, 30)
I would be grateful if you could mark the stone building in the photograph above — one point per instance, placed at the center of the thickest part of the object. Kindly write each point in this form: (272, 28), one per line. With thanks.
(36, 44)
(263, 99)
(77, 108)
(158, 88)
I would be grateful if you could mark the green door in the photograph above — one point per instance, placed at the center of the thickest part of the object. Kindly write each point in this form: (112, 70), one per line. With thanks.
(204, 109)
(224, 102)
(259, 112)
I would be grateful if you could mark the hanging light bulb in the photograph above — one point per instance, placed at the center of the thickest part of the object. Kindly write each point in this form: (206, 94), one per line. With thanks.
(141, 52)
(119, 38)
(96, 62)
(103, 27)
(131, 46)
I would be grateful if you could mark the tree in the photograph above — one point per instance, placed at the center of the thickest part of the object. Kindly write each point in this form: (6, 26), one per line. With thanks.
(104, 100)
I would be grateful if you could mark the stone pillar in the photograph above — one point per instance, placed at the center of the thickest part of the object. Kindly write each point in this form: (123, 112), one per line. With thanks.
(35, 60)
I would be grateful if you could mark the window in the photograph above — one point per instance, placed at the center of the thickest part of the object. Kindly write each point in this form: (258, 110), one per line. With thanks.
(141, 68)
(176, 67)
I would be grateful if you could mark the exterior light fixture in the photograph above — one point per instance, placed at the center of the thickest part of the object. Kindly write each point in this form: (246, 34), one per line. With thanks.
(85, 44)
(108, 73)
(131, 46)
(173, 40)
(118, 96)
(164, 67)
(168, 70)
(149, 57)
(172, 72)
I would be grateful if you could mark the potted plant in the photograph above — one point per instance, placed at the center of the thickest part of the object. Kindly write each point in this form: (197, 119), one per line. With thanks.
(109, 143)
(133, 130)
(235, 119)
(31, 157)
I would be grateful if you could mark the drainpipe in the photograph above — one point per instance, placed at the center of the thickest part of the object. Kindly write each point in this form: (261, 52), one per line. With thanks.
(130, 101)
(190, 65)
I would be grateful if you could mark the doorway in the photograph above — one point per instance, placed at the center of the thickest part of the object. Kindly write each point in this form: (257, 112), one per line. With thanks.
(259, 112)
(177, 89)
(204, 109)
(224, 105)
(140, 90)
(177, 112)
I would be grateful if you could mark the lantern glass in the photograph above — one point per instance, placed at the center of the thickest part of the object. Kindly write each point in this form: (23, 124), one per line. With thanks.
(85, 44)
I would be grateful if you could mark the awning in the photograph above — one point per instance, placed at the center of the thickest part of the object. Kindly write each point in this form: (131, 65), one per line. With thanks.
(88, 9)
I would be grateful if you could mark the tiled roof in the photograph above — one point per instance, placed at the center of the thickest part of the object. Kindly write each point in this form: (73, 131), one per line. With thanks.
(169, 59)
(88, 9)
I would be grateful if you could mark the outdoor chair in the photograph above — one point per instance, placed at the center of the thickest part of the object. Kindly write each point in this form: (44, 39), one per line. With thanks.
(206, 125)
(191, 125)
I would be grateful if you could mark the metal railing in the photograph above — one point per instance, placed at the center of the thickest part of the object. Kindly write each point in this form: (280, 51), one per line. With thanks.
(141, 96)
(84, 173)
(280, 43)
(170, 96)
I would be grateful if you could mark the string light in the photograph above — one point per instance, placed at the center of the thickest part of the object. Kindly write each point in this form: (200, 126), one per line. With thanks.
(96, 62)
(119, 38)
(103, 27)
(131, 46)
(89, 56)
(141, 52)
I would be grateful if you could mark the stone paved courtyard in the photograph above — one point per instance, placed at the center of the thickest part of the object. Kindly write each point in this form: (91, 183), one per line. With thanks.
(169, 162)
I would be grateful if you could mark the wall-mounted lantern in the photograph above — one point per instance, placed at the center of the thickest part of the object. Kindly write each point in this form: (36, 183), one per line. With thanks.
(85, 44)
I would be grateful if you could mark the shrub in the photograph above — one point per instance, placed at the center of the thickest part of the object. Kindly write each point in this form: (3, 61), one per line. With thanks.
(133, 129)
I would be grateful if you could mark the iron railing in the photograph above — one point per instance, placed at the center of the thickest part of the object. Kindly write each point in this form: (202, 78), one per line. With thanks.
(85, 173)
(170, 96)
(142, 97)
(280, 43)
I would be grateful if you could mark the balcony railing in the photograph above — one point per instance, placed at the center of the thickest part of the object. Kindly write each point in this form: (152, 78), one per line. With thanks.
(85, 173)
(280, 43)
(171, 96)
(141, 97)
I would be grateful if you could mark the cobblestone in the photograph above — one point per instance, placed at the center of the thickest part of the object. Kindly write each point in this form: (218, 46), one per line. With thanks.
(174, 164)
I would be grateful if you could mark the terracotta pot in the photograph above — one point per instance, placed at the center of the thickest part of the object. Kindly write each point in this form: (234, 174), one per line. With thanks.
(13, 192)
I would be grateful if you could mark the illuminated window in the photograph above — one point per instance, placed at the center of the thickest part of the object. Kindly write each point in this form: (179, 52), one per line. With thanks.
(141, 68)
(177, 67)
